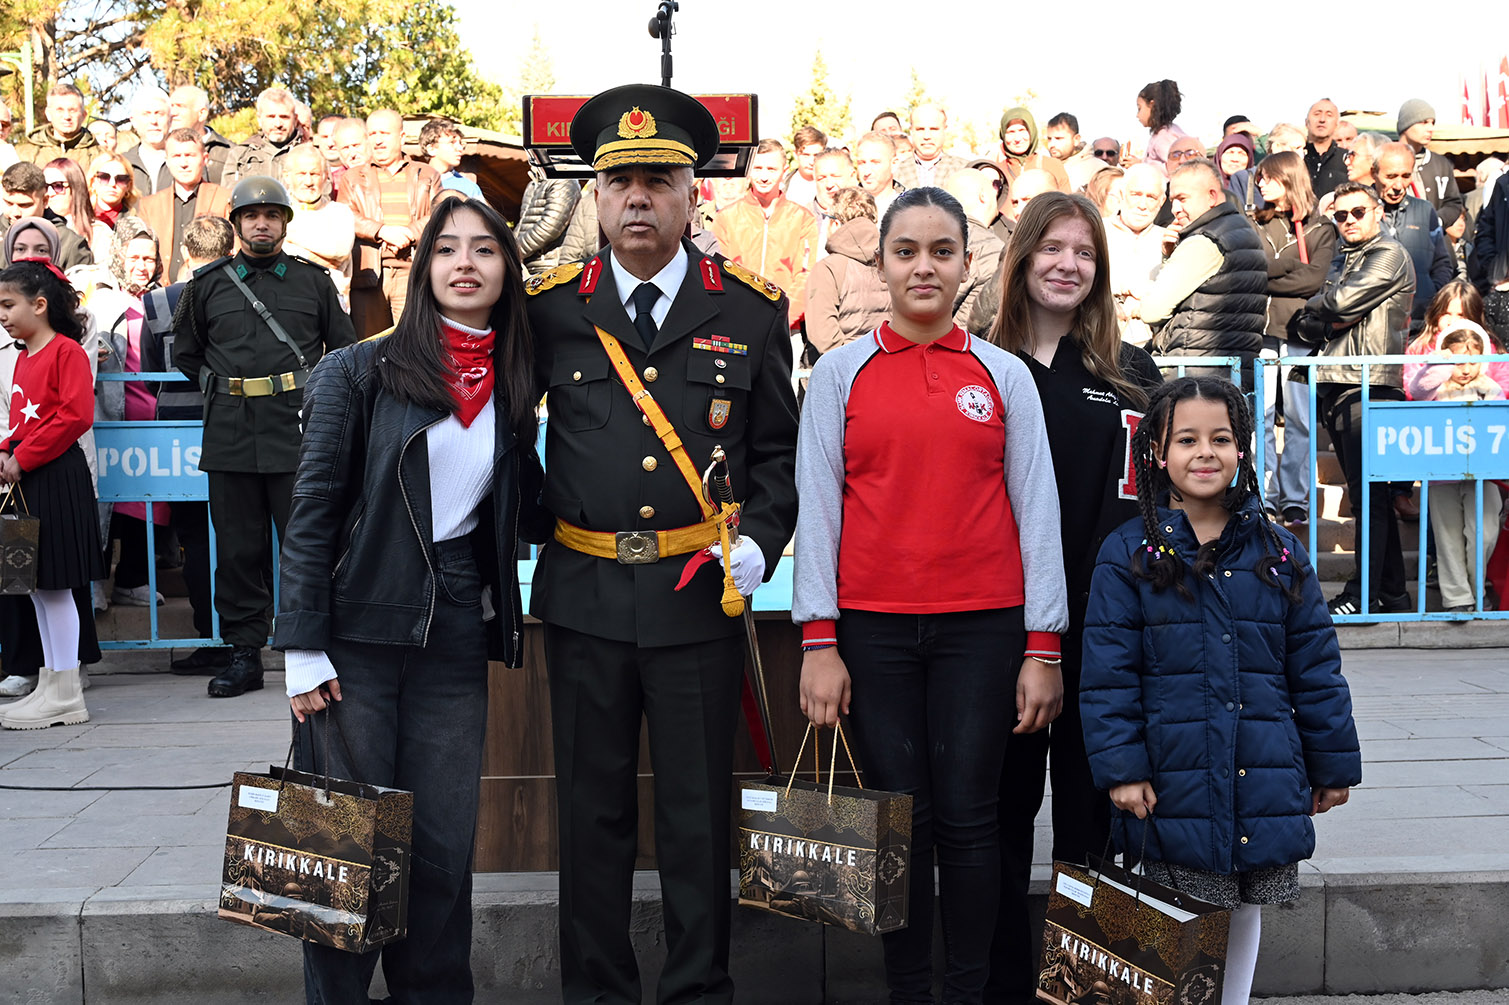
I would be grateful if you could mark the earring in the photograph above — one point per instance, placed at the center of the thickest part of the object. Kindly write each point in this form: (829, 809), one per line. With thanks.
(1240, 455)
(1162, 463)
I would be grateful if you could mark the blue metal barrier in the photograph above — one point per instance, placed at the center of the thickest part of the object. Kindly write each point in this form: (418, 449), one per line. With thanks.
(154, 461)
(1406, 441)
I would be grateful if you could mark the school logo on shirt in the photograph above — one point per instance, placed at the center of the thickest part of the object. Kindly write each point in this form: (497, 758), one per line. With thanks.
(975, 402)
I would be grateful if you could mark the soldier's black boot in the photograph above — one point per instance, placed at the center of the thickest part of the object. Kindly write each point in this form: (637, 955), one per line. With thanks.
(243, 675)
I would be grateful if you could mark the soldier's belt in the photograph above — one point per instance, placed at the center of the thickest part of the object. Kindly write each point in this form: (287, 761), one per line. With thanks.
(637, 547)
(261, 387)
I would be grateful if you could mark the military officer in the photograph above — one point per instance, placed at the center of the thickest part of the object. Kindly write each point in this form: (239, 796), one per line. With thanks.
(249, 329)
(708, 341)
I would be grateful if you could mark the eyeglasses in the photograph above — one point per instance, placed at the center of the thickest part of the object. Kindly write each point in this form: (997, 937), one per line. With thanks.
(54, 187)
(105, 178)
(1179, 155)
(1103, 154)
(1355, 213)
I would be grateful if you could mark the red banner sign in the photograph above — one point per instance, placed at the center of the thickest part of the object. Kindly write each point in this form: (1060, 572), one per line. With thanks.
(547, 117)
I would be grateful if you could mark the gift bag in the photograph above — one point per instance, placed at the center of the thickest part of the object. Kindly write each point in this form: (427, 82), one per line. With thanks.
(826, 853)
(18, 544)
(1112, 937)
(318, 858)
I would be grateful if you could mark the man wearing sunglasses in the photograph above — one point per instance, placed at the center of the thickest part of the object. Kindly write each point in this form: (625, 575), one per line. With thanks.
(24, 190)
(1363, 310)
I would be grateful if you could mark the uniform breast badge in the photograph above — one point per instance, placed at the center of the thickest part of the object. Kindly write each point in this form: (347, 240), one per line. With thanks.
(555, 277)
(717, 412)
(760, 284)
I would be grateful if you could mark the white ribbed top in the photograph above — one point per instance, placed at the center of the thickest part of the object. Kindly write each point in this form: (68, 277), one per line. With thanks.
(461, 465)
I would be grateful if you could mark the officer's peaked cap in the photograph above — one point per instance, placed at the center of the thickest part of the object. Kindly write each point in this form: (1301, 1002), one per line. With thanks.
(644, 124)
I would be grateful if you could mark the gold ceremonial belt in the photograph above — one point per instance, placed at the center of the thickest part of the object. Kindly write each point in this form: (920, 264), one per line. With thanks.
(637, 547)
(261, 387)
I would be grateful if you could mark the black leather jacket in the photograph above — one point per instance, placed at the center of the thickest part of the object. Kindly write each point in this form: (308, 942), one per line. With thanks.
(1369, 290)
(356, 561)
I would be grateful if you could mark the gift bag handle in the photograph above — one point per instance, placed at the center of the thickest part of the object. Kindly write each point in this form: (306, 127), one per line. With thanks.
(1141, 855)
(293, 740)
(817, 769)
(13, 492)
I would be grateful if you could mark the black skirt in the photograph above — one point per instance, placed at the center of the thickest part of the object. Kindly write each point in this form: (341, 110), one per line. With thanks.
(61, 495)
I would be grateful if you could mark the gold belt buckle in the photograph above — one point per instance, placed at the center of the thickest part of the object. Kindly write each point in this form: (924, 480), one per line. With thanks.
(637, 547)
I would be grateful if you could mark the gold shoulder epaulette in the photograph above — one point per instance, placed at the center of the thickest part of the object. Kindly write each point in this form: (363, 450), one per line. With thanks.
(762, 285)
(555, 277)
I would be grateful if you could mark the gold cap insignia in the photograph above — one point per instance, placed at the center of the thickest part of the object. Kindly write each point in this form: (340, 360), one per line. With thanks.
(636, 124)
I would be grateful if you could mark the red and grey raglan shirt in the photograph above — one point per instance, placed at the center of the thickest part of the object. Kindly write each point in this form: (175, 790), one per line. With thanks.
(926, 487)
(51, 404)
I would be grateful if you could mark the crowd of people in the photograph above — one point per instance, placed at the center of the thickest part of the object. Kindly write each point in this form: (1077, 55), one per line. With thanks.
(1040, 586)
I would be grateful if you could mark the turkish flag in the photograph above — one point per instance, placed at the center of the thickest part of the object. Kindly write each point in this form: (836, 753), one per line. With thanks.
(1503, 94)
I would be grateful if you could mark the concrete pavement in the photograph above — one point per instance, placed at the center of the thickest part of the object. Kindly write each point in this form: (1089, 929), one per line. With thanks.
(104, 892)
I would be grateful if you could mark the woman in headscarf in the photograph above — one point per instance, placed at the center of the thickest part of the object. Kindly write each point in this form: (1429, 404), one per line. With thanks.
(135, 267)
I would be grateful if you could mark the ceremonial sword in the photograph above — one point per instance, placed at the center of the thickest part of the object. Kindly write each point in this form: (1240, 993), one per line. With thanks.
(718, 489)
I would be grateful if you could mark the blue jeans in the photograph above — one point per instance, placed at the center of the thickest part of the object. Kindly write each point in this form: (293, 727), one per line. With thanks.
(934, 698)
(1287, 478)
(414, 718)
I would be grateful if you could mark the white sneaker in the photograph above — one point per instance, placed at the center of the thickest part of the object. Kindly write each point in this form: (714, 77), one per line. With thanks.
(16, 686)
(83, 679)
(99, 590)
(134, 596)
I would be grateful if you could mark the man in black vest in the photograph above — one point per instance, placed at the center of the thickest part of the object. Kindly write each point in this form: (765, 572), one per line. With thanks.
(707, 340)
(1210, 298)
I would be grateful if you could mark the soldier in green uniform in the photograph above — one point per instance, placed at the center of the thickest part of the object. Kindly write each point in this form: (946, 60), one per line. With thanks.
(249, 329)
(708, 341)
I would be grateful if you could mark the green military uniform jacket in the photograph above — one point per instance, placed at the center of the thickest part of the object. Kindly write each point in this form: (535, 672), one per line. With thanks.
(220, 334)
(722, 373)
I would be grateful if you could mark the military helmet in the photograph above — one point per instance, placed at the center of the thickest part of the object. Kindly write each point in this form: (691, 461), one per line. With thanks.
(259, 190)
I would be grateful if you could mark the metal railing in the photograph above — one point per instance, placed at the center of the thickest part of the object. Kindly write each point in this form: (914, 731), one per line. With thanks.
(1418, 458)
(154, 461)
(162, 456)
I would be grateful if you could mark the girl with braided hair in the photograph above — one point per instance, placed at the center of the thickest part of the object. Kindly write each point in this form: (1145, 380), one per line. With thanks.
(1212, 690)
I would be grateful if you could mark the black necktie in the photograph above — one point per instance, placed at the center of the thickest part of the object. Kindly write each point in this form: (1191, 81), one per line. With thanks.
(645, 295)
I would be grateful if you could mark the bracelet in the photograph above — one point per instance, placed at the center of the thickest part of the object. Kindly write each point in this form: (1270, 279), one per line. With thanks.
(1048, 663)
(812, 647)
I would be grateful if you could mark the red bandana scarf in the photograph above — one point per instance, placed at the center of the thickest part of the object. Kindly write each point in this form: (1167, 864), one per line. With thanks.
(471, 359)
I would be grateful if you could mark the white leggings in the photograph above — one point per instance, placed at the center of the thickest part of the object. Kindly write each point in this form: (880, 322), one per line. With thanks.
(1241, 953)
(58, 624)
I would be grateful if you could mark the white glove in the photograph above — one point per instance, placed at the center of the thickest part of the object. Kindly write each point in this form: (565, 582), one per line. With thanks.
(747, 564)
(306, 669)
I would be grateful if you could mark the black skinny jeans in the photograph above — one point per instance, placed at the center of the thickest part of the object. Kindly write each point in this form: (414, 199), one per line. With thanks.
(934, 698)
(415, 719)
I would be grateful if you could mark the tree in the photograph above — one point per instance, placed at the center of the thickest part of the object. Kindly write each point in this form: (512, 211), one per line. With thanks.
(916, 94)
(349, 56)
(820, 106)
(536, 76)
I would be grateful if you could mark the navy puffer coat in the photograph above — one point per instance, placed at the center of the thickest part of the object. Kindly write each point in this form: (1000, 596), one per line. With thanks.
(1232, 704)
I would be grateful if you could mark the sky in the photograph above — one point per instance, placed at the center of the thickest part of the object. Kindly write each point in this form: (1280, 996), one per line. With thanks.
(978, 56)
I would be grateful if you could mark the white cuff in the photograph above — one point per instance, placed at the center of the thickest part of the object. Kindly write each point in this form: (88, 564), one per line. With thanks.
(306, 669)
